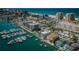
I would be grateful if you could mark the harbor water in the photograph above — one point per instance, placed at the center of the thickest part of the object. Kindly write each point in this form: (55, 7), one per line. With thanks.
(30, 44)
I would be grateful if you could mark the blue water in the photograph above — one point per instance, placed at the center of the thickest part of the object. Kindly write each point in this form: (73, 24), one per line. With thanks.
(51, 11)
(30, 44)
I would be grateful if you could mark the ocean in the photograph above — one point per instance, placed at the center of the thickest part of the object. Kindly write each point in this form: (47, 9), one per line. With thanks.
(49, 11)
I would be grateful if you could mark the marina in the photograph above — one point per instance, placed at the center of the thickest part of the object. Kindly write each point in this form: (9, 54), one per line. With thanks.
(27, 31)
(23, 42)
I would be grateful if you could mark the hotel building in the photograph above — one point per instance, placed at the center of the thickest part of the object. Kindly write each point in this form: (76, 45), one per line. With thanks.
(69, 23)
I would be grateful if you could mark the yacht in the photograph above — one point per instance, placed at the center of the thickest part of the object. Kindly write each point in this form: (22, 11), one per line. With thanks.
(18, 40)
(11, 42)
(8, 36)
(45, 45)
(28, 35)
(23, 38)
(4, 36)
(36, 39)
(41, 44)
(12, 30)
(3, 32)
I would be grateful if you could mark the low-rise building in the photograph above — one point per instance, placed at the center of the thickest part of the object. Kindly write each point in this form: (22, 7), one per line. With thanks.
(52, 37)
(45, 33)
(34, 27)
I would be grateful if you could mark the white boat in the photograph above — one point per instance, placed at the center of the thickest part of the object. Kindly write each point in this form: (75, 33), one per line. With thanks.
(12, 35)
(20, 33)
(41, 44)
(3, 32)
(18, 40)
(4, 36)
(8, 36)
(36, 39)
(12, 30)
(23, 38)
(15, 34)
(18, 29)
(28, 35)
(45, 45)
(11, 42)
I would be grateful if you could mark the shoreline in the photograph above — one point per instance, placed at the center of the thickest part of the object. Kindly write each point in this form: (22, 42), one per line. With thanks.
(45, 41)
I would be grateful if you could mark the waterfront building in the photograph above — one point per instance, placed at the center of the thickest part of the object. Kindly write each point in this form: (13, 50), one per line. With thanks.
(34, 27)
(70, 17)
(45, 33)
(59, 43)
(69, 26)
(52, 37)
(26, 23)
(59, 15)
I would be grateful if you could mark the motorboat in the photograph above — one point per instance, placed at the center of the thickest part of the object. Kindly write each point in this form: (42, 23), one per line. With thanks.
(23, 32)
(15, 34)
(28, 35)
(18, 29)
(45, 45)
(20, 33)
(12, 30)
(11, 42)
(41, 44)
(18, 40)
(7, 36)
(3, 32)
(36, 39)
(23, 38)
(4, 36)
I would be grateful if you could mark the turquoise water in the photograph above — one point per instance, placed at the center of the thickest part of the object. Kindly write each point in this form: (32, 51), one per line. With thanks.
(30, 44)
(51, 11)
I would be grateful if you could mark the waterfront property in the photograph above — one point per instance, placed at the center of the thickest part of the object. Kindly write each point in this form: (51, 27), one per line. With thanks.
(29, 43)
(26, 31)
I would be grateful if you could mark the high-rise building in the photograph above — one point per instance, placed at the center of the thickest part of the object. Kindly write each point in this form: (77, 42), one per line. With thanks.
(70, 16)
(65, 25)
(59, 15)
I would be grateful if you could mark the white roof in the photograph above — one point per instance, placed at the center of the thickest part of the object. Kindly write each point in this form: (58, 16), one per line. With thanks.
(46, 32)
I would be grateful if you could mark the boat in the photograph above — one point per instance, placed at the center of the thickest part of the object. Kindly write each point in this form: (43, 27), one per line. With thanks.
(4, 36)
(23, 38)
(23, 32)
(18, 29)
(8, 36)
(45, 45)
(41, 44)
(15, 34)
(28, 35)
(36, 39)
(3, 32)
(11, 42)
(18, 40)
(12, 30)
(20, 33)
